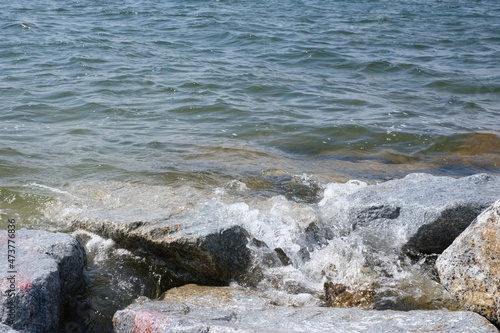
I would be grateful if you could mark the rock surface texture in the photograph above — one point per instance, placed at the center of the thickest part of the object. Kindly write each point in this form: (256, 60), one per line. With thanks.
(226, 309)
(47, 269)
(209, 253)
(420, 213)
(470, 267)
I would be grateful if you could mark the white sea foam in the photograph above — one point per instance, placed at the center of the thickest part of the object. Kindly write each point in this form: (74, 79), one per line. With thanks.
(96, 245)
(49, 188)
(124, 252)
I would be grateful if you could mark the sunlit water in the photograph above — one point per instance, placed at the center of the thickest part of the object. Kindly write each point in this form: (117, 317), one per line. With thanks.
(115, 110)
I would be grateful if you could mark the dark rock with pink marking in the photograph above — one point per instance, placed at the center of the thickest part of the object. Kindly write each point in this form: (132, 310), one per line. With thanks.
(45, 270)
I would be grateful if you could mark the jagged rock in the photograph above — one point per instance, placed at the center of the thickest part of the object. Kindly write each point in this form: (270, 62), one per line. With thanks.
(47, 269)
(208, 252)
(228, 309)
(419, 213)
(470, 267)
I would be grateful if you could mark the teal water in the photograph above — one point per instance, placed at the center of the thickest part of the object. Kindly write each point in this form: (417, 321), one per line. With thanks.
(114, 109)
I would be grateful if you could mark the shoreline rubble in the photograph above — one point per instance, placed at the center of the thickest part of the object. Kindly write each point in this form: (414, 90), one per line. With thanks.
(194, 308)
(419, 214)
(212, 245)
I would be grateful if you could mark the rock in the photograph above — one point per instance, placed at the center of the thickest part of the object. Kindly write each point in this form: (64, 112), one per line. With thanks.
(340, 295)
(353, 236)
(207, 243)
(196, 249)
(419, 213)
(229, 309)
(7, 329)
(470, 267)
(47, 269)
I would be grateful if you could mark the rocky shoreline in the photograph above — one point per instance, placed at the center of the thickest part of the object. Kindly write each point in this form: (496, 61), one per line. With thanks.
(193, 308)
(415, 216)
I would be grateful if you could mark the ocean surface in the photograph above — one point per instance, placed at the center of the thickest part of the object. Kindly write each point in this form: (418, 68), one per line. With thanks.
(121, 109)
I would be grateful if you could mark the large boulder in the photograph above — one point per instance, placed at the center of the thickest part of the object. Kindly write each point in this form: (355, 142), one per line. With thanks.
(228, 309)
(419, 213)
(206, 252)
(45, 270)
(470, 267)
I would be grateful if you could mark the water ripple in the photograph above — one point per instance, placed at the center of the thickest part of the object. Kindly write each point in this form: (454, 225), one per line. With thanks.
(305, 79)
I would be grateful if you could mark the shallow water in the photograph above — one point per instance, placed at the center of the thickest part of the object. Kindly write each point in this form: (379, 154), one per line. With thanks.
(118, 110)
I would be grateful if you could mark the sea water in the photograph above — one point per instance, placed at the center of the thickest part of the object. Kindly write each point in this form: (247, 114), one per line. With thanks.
(255, 109)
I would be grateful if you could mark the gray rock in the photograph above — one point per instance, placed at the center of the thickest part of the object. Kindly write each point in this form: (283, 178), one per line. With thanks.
(420, 213)
(205, 252)
(208, 244)
(226, 309)
(7, 329)
(47, 270)
(470, 267)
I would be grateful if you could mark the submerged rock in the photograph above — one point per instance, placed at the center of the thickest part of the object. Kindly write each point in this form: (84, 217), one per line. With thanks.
(419, 213)
(470, 267)
(340, 295)
(228, 309)
(45, 271)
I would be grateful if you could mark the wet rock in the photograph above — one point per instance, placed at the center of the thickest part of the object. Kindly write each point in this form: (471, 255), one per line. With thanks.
(340, 295)
(228, 309)
(46, 269)
(206, 242)
(7, 329)
(419, 213)
(212, 251)
(470, 267)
